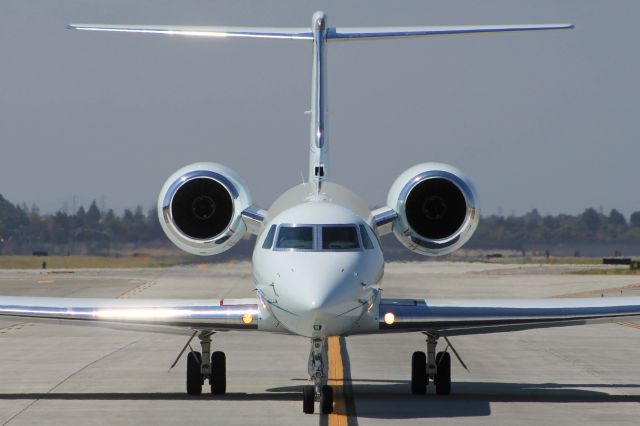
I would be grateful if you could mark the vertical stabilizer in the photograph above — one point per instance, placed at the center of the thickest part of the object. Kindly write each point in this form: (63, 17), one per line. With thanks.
(319, 147)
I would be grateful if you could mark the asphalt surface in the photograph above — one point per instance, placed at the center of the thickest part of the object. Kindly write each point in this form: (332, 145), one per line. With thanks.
(62, 375)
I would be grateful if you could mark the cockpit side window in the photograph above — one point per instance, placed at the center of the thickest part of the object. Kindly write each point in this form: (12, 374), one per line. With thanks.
(268, 242)
(295, 237)
(340, 238)
(366, 241)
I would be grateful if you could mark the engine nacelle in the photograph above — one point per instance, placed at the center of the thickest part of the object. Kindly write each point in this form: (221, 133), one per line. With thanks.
(436, 206)
(200, 208)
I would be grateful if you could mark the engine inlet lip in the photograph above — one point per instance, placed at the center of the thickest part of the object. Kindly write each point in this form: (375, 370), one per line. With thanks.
(167, 214)
(464, 187)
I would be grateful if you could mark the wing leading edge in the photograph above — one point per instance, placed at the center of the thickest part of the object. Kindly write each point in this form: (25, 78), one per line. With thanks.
(156, 315)
(462, 317)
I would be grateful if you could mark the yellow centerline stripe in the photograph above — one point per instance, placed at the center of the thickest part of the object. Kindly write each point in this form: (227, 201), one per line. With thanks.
(336, 381)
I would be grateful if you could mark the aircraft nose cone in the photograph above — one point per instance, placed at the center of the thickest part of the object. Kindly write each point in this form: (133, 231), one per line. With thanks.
(321, 297)
(326, 289)
(314, 294)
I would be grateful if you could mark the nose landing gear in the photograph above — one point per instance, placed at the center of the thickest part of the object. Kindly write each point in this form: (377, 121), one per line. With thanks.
(319, 390)
(431, 366)
(206, 365)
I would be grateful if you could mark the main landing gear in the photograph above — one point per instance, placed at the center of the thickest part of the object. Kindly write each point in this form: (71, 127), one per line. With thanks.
(206, 366)
(431, 366)
(319, 390)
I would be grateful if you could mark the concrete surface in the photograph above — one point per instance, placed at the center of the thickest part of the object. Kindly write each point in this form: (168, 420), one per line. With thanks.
(52, 374)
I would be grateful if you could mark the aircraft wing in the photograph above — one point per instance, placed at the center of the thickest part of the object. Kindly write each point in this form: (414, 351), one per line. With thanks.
(462, 317)
(179, 316)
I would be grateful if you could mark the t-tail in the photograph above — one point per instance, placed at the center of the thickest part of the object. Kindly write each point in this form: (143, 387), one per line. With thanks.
(319, 34)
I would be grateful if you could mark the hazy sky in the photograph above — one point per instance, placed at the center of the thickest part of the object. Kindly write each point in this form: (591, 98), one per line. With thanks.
(547, 120)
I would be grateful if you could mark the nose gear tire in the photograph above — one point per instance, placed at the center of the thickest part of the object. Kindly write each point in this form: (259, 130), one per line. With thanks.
(308, 399)
(326, 400)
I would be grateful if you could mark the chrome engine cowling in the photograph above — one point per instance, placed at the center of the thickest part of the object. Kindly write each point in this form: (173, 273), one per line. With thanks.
(436, 206)
(200, 208)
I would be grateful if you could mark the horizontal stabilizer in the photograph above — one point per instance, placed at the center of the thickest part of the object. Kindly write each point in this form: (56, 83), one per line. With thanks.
(333, 34)
(196, 31)
(406, 32)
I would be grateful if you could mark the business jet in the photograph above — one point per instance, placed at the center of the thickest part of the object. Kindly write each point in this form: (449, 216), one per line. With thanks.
(317, 263)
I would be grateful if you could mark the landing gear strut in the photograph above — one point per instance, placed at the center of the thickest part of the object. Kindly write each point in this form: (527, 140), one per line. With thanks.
(431, 366)
(319, 390)
(206, 365)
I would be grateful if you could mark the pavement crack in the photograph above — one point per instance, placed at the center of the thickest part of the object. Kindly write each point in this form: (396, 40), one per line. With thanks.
(136, 290)
(75, 373)
(14, 327)
(586, 370)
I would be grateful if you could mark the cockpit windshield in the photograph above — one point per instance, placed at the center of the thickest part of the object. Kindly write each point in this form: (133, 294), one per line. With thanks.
(337, 237)
(340, 238)
(295, 237)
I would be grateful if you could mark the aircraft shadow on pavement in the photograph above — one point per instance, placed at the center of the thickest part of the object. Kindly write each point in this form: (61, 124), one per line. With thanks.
(393, 400)
(169, 396)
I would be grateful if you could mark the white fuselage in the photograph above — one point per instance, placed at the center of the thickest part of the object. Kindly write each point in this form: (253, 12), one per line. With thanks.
(319, 287)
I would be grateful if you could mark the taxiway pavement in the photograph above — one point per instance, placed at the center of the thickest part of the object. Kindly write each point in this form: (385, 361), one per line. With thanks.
(70, 375)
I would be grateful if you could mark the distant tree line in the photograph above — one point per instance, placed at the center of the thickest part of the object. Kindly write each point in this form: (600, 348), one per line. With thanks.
(24, 229)
(590, 226)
